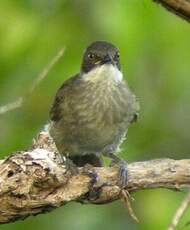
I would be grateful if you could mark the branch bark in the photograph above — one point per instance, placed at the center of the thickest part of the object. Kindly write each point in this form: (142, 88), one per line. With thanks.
(37, 180)
(178, 7)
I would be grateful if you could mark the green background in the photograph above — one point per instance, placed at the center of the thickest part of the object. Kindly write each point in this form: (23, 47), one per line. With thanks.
(155, 57)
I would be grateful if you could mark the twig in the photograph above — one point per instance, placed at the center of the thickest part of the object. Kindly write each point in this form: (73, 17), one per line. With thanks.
(126, 197)
(178, 7)
(19, 101)
(11, 106)
(47, 69)
(180, 212)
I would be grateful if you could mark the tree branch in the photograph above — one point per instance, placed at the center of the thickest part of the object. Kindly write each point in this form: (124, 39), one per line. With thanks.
(178, 7)
(37, 180)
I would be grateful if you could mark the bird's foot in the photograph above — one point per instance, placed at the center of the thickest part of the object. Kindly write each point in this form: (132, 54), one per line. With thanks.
(122, 169)
(122, 173)
(70, 166)
(89, 171)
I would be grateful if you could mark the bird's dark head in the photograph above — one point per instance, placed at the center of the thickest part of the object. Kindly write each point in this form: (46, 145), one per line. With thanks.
(100, 53)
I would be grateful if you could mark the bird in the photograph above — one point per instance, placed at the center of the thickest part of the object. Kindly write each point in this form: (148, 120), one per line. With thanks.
(93, 109)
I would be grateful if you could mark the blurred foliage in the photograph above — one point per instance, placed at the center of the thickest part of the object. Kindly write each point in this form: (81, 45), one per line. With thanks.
(155, 53)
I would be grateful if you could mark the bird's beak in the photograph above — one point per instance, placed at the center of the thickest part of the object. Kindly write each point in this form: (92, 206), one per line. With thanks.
(108, 60)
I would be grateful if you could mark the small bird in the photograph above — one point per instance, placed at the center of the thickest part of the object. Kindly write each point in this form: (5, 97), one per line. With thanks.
(93, 109)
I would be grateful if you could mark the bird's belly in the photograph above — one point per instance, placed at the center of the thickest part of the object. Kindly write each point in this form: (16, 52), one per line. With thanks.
(92, 132)
(89, 139)
(95, 124)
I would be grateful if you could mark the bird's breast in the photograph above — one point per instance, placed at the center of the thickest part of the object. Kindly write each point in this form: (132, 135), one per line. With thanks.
(102, 103)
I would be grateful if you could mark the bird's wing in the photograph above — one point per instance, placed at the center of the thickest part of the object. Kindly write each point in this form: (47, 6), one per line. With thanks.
(136, 109)
(56, 111)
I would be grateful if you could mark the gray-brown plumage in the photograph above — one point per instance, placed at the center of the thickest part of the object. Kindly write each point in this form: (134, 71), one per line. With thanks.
(92, 110)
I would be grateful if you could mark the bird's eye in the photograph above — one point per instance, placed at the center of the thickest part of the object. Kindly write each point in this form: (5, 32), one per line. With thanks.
(117, 55)
(91, 56)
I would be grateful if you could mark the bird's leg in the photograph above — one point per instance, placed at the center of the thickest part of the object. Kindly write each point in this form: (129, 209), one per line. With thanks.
(87, 161)
(123, 177)
(70, 165)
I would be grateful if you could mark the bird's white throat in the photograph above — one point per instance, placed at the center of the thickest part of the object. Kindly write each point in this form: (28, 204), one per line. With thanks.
(106, 72)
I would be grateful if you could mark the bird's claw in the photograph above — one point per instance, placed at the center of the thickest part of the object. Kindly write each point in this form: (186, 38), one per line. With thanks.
(70, 166)
(123, 174)
(88, 170)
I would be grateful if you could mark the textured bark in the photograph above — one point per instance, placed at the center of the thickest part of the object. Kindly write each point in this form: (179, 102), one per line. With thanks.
(37, 180)
(178, 7)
